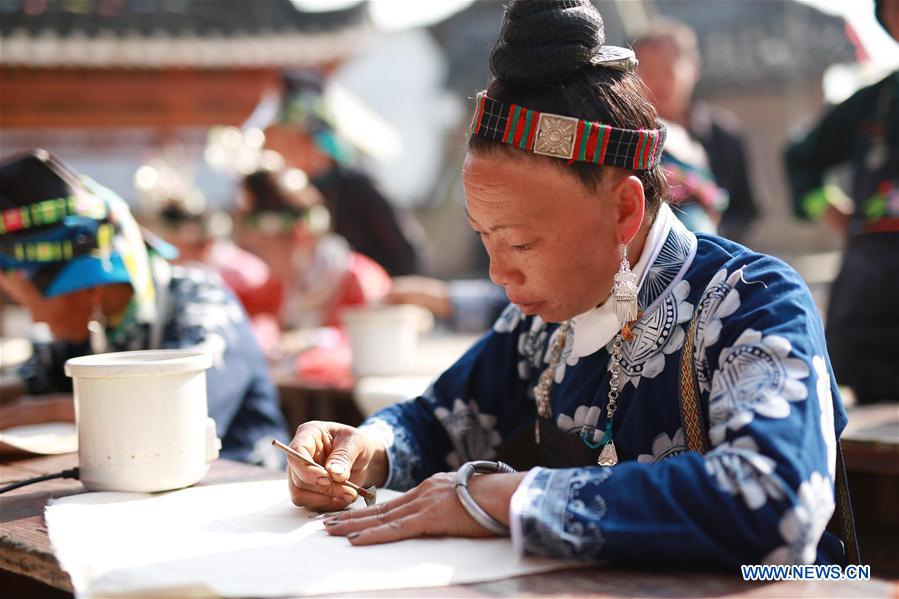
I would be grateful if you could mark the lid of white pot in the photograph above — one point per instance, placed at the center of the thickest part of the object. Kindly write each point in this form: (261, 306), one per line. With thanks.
(156, 362)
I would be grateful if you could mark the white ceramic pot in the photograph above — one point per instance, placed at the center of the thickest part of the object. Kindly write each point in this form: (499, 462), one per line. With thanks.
(143, 423)
(384, 339)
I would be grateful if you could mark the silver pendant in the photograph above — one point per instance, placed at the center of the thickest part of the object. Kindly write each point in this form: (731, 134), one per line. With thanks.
(608, 456)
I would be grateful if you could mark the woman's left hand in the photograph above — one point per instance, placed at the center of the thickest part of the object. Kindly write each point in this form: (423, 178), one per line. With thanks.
(429, 510)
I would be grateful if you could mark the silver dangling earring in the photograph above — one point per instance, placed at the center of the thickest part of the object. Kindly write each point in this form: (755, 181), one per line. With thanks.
(625, 291)
(97, 329)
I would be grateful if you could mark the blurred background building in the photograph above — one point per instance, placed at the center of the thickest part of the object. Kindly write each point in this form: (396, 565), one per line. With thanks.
(107, 84)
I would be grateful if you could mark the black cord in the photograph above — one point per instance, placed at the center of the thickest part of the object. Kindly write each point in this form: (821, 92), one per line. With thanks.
(73, 473)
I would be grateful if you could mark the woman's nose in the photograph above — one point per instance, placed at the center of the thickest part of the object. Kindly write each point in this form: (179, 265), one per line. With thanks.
(504, 274)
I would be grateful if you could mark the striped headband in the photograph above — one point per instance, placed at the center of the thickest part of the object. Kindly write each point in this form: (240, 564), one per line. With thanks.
(50, 212)
(44, 251)
(567, 137)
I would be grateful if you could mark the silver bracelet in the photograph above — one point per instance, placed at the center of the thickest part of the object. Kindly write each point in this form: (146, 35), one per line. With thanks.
(471, 506)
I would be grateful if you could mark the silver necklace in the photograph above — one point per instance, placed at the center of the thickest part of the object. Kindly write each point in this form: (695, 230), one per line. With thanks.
(608, 456)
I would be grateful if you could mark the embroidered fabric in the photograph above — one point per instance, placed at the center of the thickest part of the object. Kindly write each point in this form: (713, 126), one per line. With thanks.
(541, 520)
(402, 451)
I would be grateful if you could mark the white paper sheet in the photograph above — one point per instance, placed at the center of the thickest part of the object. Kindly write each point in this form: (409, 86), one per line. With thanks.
(248, 539)
(46, 438)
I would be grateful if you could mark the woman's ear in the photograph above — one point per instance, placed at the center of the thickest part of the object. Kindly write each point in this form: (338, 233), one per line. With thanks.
(631, 203)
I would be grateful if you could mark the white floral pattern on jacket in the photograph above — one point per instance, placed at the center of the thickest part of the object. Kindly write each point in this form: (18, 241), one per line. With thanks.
(586, 419)
(825, 404)
(664, 446)
(802, 525)
(755, 376)
(738, 467)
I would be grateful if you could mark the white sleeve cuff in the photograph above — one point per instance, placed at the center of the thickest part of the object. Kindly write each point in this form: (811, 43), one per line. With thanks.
(516, 510)
(383, 431)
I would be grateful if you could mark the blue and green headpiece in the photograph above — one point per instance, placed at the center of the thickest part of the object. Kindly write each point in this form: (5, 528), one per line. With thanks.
(303, 106)
(66, 232)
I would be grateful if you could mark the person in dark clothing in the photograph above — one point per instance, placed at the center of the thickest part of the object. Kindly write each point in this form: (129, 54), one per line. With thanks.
(304, 136)
(362, 215)
(73, 255)
(863, 315)
(720, 134)
(669, 67)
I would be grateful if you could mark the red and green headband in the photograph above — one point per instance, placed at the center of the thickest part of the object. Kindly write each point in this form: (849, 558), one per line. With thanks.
(567, 137)
(50, 212)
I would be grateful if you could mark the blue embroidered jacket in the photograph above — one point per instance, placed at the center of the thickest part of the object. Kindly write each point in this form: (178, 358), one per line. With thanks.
(765, 490)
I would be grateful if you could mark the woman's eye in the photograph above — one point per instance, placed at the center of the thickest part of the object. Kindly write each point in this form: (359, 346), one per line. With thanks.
(523, 247)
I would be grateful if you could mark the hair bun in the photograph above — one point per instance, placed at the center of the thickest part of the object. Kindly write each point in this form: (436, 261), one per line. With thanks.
(545, 41)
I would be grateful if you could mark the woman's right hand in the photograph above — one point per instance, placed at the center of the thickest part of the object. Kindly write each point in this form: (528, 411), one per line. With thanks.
(342, 453)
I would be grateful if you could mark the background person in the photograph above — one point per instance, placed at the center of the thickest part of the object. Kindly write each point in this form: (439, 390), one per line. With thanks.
(72, 254)
(304, 136)
(863, 313)
(705, 143)
(316, 274)
(203, 241)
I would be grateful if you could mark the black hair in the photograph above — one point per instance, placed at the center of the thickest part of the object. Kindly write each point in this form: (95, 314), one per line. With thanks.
(268, 194)
(174, 214)
(34, 177)
(543, 60)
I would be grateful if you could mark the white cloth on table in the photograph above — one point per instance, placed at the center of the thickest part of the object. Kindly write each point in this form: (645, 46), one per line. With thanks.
(248, 539)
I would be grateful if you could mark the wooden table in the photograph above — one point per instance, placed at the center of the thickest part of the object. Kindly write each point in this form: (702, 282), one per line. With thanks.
(304, 399)
(25, 552)
(871, 450)
(871, 439)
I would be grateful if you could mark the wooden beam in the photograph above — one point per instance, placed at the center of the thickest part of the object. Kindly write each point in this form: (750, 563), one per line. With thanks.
(112, 98)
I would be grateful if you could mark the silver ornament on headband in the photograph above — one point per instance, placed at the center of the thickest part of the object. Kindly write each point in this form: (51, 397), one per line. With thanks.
(615, 57)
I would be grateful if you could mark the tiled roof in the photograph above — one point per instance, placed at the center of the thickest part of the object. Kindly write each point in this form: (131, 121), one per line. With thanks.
(162, 33)
(744, 43)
